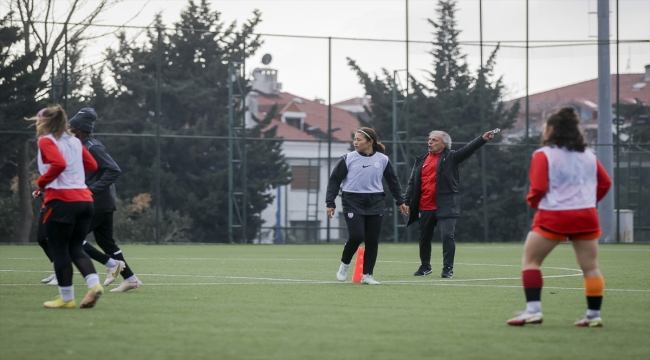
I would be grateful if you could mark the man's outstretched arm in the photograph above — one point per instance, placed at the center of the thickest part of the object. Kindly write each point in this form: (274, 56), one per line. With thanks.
(466, 151)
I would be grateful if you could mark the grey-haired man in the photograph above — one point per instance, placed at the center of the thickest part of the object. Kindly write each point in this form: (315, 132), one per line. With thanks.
(433, 198)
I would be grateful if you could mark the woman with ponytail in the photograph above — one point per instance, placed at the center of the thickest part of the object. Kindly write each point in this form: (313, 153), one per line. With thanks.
(566, 182)
(360, 172)
(62, 163)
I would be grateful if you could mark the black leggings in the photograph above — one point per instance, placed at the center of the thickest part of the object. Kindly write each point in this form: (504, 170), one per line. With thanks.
(41, 237)
(65, 234)
(363, 228)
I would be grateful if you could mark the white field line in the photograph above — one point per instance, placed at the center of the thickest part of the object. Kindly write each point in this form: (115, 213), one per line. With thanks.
(310, 281)
(326, 260)
(443, 283)
(271, 259)
(279, 281)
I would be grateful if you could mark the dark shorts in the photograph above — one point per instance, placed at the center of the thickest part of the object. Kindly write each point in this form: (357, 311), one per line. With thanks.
(66, 212)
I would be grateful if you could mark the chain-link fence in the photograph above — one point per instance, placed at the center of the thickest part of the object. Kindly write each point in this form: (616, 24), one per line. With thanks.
(213, 148)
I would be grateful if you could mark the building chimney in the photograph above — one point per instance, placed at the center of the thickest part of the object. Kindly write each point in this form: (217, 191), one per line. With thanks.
(266, 81)
(647, 73)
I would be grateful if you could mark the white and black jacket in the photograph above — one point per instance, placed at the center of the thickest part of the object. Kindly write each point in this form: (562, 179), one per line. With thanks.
(360, 177)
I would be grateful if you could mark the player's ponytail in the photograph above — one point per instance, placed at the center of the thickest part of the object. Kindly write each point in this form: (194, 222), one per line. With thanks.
(379, 147)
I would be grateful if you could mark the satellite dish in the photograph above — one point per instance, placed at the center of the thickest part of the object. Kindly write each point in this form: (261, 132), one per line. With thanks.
(266, 59)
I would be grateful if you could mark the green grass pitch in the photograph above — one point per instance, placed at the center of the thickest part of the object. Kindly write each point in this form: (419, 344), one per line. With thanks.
(283, 302)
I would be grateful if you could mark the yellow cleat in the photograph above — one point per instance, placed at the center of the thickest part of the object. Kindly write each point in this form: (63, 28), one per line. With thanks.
(92, 296)
(60, 304)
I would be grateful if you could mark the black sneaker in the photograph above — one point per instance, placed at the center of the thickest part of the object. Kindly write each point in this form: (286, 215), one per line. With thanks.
(447, 273)
(423, 271)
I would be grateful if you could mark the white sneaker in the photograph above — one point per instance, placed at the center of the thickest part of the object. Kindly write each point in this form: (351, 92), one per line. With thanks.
(343, 272)
(368, 279)
(526, 318)
(49, 278)
(114, 272)
(128, 285)
(54, 282)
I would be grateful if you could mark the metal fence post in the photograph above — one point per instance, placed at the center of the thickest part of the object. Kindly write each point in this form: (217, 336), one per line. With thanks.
(486, 230)
(65, 68)
(526, 139)
(618, 136)
(230, 153)
(158, 119)
(329, 120)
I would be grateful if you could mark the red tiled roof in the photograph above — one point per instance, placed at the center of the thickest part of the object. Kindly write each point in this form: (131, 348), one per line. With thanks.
(353, 101)
(588, 90)
(289, 132)
(316, 116)
(584, 93)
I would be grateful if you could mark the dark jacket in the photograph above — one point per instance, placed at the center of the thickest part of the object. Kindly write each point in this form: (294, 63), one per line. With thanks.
(362, 203)
(447, 181)
(101, 181)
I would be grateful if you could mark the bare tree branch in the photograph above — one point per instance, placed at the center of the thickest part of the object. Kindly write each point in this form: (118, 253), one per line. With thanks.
(47, 14)
(48, 38)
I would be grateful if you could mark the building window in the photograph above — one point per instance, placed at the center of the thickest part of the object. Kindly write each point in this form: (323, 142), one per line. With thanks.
(305, 177)
(295, 122)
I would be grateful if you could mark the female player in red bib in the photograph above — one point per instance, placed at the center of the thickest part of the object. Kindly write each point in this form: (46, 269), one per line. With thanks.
(62, 163)
(566, 182)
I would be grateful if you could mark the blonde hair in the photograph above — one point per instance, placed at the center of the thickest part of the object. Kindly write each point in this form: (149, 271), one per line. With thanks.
(51, 120)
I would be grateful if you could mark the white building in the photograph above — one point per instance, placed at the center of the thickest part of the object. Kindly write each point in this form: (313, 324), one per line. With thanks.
(298, 212)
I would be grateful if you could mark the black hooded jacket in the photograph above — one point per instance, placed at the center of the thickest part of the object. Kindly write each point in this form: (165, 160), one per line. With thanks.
(101, 181)
(447, 181)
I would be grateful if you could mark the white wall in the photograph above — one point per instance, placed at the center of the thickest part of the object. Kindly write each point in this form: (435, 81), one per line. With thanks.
(297, 153)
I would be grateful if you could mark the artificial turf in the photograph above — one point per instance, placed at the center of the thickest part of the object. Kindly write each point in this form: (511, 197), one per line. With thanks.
(283, 302)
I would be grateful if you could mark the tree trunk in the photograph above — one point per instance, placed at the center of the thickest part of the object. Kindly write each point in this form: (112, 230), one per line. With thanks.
(26, 214)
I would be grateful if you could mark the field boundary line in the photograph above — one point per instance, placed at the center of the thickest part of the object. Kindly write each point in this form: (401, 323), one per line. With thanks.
(283, 281)
(324, 282)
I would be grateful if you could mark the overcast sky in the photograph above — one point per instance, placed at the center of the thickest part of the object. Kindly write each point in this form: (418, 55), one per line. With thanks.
(302, 63)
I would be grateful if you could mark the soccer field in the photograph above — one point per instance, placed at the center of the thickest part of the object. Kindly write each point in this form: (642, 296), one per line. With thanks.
(283, 302)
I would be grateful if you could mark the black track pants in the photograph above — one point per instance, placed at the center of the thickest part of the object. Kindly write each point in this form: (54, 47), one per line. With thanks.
(102, 227)
(363, 229)
(428, 222)
(95, 254)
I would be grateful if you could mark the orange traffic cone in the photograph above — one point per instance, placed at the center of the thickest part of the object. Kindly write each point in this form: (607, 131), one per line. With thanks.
(357, 274)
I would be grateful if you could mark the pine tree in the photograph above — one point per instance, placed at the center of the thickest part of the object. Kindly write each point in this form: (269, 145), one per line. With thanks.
(194, 177)
(450, 70)
(19, 85)
(452, 102)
